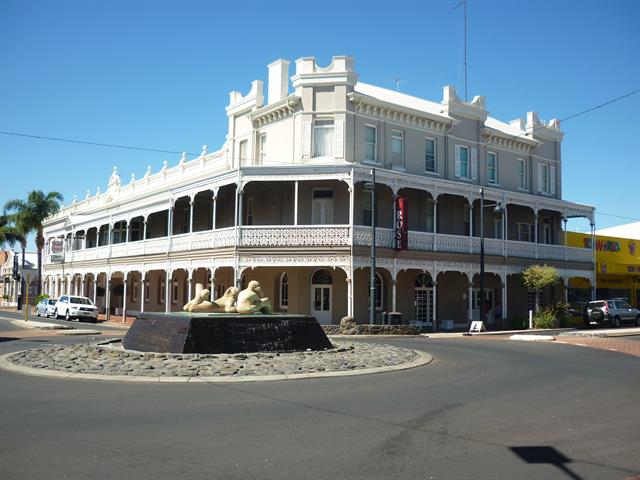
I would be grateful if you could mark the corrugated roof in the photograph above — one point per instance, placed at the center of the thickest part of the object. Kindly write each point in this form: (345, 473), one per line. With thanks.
(628, 230)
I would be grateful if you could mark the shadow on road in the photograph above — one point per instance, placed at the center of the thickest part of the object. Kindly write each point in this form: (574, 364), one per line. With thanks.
(545, 455)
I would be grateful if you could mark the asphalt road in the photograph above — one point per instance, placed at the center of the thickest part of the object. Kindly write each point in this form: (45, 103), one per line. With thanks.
(483, 409)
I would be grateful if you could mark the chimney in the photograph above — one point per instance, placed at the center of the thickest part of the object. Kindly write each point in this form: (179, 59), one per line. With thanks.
(278, 80)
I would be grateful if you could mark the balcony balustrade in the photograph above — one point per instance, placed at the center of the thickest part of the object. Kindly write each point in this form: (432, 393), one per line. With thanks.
(325, 236)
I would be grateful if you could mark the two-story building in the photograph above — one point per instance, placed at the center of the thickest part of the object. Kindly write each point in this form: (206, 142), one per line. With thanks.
(287, 201)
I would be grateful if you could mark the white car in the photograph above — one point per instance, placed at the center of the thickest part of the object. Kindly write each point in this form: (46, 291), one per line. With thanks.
(69, 306)
(45, 307)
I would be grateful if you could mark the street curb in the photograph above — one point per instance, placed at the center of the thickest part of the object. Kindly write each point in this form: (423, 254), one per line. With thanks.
(423, 359)
(78, 332)
(36, 325)
(532, 338)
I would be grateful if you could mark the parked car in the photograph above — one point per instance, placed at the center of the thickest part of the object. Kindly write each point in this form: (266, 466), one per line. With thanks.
(613, 312)
(71, 306)
(45, 307)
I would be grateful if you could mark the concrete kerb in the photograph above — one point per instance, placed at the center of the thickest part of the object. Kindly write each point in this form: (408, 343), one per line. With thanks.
(423, 358)
(37, 325)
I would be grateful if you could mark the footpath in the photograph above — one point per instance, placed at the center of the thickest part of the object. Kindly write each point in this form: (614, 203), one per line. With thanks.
(613, 339)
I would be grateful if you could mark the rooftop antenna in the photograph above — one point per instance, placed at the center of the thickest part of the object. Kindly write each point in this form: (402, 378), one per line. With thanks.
(397, 81)
(464, 5)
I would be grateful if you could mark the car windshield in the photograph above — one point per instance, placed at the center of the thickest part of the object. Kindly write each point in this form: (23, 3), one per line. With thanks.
(596, 304)
(52, 302)
(81, 300)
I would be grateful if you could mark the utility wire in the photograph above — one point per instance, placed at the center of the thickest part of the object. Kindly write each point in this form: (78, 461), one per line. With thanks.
(145, 149)
(84, 142)
(591, 109)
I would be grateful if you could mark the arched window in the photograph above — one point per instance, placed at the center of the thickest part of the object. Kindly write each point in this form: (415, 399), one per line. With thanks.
(423, 281)
(379, 292)
(284, 292)
(322, 277)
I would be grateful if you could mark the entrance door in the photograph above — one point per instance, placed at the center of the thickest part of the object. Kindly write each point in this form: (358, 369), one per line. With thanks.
(321, 290)
(475, 301)
(423, 294)
(424, 305)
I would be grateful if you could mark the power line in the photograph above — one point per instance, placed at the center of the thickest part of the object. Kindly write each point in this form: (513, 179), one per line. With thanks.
(591, 109)
(617, 216)
(85, 142)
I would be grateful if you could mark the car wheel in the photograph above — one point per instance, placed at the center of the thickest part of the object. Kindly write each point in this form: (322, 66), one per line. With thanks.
(55, 313)
(615, 323)
(67, 317)
(638, 320)
(37, 312)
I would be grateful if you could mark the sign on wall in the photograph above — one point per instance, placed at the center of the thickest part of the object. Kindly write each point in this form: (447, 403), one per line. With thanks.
(57, 250)
(401, 227)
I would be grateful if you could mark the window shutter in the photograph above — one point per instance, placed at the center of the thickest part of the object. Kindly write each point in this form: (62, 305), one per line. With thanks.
(552, 179)
(306, 139)
(457, 167)
(339, 139)
(474, 163)
(540, 186)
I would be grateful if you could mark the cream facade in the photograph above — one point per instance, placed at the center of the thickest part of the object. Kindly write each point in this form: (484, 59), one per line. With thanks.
(287, 201)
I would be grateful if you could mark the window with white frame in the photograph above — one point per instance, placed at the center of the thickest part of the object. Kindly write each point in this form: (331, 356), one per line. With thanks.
(243, 152)
(174, 295)
(284, 292)
(262, 149)
(467, 219)
(546, 179)
(429, 155)
(463, 162)
(522, 174)
(379, 292)
(323, 138)
(492, 168)
(248, 218)
(162, 293)
(526, 232)
(366, 207)
(134, 290)
(370, 143)
(430, 226)
(397, 148)
(497, 228)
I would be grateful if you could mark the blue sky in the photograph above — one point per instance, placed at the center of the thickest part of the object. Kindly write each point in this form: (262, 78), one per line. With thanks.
(157, 74)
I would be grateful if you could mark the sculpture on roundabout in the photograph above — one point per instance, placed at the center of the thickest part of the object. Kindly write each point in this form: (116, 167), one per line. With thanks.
(249, 300)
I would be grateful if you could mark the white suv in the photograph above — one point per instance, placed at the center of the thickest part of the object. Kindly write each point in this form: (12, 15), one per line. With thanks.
(70, 307)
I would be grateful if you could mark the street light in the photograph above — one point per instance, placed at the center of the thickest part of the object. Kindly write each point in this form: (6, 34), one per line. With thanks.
(497, 208)
(372, 296)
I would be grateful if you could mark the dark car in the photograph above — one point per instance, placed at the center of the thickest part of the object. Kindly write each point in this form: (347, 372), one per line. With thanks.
(612, 312)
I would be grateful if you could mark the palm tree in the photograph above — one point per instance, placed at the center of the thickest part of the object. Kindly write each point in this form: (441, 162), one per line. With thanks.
(30, 214)
(9, 234)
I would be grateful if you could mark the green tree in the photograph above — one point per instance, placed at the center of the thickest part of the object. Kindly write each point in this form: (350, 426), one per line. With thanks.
(29, 215)
(537, 277)
(9, 233)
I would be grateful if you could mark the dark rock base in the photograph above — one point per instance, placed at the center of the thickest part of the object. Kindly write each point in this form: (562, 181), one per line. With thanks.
(224, 333)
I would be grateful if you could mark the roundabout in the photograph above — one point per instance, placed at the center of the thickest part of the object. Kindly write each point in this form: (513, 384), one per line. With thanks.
(110, 361)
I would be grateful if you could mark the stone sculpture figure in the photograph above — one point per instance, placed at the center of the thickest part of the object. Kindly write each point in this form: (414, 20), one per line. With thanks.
(252, 300)
(201, 303)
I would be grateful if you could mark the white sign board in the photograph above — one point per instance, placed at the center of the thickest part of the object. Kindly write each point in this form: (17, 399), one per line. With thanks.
(477, 327)
(57, 245)
(57, 257)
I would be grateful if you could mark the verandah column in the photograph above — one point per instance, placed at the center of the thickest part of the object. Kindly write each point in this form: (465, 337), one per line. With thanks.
(124, 298)
(108, 296)
(143, 289)
(167, 291)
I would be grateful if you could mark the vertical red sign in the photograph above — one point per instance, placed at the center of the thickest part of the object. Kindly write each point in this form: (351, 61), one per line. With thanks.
(401, 228)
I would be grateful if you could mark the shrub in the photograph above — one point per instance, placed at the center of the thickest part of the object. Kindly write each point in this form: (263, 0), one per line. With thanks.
(40, 297)
(544, 318)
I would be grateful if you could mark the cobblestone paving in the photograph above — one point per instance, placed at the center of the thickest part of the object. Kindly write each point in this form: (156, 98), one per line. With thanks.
(112, 359)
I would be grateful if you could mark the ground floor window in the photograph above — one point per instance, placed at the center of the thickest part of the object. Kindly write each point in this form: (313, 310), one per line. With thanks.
(284, 292)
